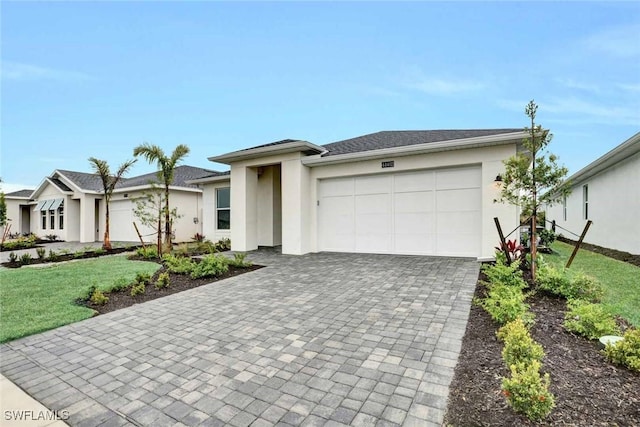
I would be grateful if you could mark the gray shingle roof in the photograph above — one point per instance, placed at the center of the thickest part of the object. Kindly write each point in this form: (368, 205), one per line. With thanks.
(401, 138)
(19, 193)
(86, 181)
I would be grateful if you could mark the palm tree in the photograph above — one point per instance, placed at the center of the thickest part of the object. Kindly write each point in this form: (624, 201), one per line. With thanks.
(166, 166)
(101, 168)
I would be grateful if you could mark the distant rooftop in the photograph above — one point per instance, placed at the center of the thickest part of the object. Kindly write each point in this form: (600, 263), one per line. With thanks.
(20, 193)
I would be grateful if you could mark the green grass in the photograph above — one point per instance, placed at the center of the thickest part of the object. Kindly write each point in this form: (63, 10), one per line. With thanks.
(620, 280)
(35, 299)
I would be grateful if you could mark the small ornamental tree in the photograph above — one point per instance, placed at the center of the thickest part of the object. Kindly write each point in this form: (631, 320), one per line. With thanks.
(109, 182)
(533, 178)
(149, 209)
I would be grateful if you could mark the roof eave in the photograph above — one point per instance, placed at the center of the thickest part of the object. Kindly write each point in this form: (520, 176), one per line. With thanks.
(149, 186)
(252, 153)
(209, 179)
(408, 150)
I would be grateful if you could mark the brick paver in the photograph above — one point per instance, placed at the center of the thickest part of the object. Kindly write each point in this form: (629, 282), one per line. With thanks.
(320, 339)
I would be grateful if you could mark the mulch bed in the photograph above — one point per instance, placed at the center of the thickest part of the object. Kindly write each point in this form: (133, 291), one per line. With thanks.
(611, 253)
(589, 390)
(178, 283)
(68, 257)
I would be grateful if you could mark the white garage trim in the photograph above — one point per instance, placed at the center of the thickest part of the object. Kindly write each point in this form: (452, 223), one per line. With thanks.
(426, 212)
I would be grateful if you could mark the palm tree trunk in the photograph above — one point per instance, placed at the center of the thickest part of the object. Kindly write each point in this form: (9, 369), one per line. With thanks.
(106, 245)
(167, 222)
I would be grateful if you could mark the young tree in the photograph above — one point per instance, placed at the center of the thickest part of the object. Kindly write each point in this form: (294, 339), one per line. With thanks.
(166, 167)
(149, 208)
(109, 182)
(533, 178)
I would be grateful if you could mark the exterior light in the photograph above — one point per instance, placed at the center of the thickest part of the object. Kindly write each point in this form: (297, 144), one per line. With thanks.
(498, 179)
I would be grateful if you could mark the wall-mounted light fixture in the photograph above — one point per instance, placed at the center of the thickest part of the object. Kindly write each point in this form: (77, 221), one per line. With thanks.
(195, 219)
(498, 179)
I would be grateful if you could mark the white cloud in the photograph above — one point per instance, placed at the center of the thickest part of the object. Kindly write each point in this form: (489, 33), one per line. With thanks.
(622, 41)
(572, 108)
(19, 71)
(439, 86)
(8, 187)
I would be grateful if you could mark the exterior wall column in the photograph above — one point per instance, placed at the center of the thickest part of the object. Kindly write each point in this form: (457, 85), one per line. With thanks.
(296, 216)
(87, 219)
(244, 213)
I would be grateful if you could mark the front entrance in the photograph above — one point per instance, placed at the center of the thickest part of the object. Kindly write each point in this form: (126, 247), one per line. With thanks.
(25, 219)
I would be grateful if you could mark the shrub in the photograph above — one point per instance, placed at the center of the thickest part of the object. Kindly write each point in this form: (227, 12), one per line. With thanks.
(589, 320)
(41, 252)
(182, 250)
(52, 255)
(13, 258)
(223, 245)
(51, 237)
(586, 287)
(25, 259)
(100, 251)
(78, 254)
(163, 281)
(98, 297)
(149, 252)
(180, 265)
(505, 304)
(138, 289)
(239, 260)
(547, 237)
(513, 248)
(527, 391)
(627, 351)
(519, 347)
(509, 275)
(120, 284)
(211, 265)
(198, 237)
(558, 282)
(143, 278)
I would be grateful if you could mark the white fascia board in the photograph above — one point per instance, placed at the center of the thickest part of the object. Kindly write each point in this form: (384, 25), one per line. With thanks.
(17, 197)
(408, 150)
(252, 153)
(210, 179)
(161, 188)
(623, 151)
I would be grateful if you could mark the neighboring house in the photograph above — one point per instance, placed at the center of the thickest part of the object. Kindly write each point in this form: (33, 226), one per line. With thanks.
(70, 205)
(398, 192)
(606, 192)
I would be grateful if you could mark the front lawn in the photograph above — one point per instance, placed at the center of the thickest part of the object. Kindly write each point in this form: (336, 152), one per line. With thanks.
(620, 280)
(33, 300)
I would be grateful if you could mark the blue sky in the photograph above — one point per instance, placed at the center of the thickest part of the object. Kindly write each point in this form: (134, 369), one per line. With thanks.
(83, 79)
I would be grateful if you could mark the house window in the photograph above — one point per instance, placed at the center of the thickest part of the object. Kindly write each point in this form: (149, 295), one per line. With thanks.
(585, 201)
(52, 219)
(223, 208)
(61, 218)
(564, 208)
(44, 219)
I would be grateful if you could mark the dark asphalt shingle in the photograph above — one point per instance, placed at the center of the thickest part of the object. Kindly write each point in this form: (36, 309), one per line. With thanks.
(19, 193)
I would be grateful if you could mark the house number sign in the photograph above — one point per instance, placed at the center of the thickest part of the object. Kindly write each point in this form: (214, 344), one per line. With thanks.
(388, 164)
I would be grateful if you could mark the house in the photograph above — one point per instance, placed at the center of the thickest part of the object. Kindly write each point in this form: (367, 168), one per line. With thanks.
(70, 205)
(607, 192)
(397, 192)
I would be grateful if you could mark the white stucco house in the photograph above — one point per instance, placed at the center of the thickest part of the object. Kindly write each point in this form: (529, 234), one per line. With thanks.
(70, 205)
(395, 192)
(607, 192)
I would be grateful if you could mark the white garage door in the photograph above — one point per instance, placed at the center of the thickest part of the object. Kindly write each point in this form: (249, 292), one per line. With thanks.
(432, 212)
(121, 222)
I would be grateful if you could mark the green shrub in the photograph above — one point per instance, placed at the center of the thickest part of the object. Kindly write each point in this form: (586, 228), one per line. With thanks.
(627, 351)
(558, 282)
(148, 252)
(163, 281)
(51, 237)
(13, 258)
(78, 254)
(98, 297)
(586, 288)
(505, 304)
(180, 265)
(138, 289)
(547, 237)
(239, 260)
(25, 259)
(211, 265)
(527, 391)
(519, 347)
(41, 252)
(143, 278)
(120, 284)
(100, 251)
(509, 275)
(589, 320)
(223, 245)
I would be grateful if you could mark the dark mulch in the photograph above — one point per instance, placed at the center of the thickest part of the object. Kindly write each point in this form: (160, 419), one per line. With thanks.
(178, 283)
(68, 257)
(611, 253)
(589, 390)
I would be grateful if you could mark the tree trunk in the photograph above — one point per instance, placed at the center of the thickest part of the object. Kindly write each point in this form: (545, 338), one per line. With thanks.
(106, 244)
(167, 222)
(159, 232)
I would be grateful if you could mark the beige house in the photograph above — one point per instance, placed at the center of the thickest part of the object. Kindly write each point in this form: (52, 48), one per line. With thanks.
(606, 192)
(396, 192)
(70, 205)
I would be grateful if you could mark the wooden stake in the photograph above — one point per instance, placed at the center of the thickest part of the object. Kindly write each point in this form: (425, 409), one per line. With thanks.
(139, 236)
(503, 244)
(575, 250)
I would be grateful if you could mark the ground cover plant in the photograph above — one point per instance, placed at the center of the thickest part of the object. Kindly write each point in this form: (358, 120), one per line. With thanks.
(44, 257)
(42, 298)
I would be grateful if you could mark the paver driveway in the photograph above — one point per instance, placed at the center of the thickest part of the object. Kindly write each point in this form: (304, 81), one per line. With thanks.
(321, 339)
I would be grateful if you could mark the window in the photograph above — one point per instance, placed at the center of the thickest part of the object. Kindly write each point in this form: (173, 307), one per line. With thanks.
(52, 217)
(564, 208)
(585, 201)
(44, 219)
(61, 218)
(223, 208)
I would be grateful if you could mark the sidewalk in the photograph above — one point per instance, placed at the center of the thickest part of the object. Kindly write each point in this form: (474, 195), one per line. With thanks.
(19, 409)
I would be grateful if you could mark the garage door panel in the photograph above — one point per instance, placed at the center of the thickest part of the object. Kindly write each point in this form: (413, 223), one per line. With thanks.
(458, 178)
(373, 184)
(408, 223)
(372, 224)
(339, 216)
(458, 244)
(458, 200)
(458, 222)
(414, 181)
(415, 244)
(373, 203)
(373, 243)
(337, 187)
(414, 202)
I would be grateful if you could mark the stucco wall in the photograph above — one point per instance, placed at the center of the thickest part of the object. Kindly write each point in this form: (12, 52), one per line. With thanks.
(614, 208)
(209, 218)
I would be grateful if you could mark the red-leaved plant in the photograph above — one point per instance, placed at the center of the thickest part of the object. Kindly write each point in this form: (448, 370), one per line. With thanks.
(514, 249)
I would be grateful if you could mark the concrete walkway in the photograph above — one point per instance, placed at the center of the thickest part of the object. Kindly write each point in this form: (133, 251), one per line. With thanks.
(322, 339)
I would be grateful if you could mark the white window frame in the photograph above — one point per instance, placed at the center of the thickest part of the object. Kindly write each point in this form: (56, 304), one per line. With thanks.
(564, 208)
(223, 208)
(585, 201)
